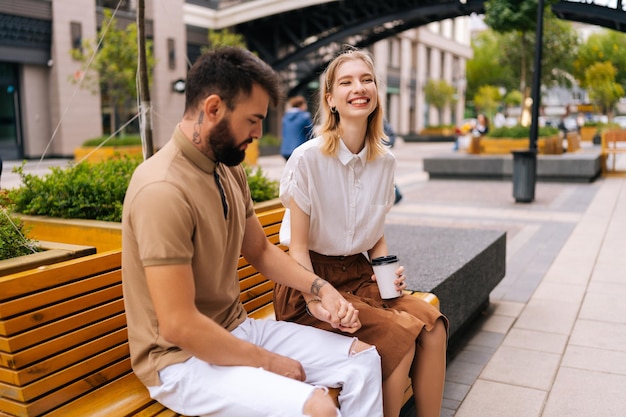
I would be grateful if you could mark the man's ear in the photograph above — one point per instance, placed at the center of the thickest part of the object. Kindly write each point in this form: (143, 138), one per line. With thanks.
(213, 106)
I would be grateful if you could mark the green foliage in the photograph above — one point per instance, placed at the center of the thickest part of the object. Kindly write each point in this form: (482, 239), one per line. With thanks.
(261, 187)
(269, 140)
(604, 46)
(128, 140)
(520, 132)
(439, 93)
(487, 99)
(514, 98)
(13, 237)
(96, 190)
(224, 37)
(603, 90)
(85, 191)
(513, 15)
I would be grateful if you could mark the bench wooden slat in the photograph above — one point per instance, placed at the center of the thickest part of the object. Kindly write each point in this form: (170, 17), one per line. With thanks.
(39, 334)
(59, 310)
(58, 294)
(63, 360)
(53, 275)
(127, 393)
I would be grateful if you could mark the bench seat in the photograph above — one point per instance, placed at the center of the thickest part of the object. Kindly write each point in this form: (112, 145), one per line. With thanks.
(63, 340)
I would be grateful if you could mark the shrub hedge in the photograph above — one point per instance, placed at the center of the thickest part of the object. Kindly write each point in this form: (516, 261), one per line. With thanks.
(520, 132)
(13, 237)
(96, 191)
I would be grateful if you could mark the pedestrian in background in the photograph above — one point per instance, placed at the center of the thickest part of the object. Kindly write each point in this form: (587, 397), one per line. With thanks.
(297, 126)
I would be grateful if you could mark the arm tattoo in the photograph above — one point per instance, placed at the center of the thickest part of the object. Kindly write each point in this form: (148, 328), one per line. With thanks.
(196, 129)
(317, 285)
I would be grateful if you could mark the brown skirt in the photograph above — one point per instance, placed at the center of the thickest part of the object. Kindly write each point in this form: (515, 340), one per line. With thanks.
(393, 326)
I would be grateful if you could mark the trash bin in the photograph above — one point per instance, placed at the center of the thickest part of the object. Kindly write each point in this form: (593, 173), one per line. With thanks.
(524, 175)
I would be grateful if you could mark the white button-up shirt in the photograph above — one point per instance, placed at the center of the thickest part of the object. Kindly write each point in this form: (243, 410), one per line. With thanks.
(345, 196)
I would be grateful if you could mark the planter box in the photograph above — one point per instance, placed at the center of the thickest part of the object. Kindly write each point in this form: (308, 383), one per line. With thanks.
(94, 154)
(552, 145)
(437, 131)
(587, 133)
(104, 236)
(53, 252)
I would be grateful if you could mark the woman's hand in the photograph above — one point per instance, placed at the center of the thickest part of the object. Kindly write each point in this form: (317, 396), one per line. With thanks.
(346, 318)
(400, 281)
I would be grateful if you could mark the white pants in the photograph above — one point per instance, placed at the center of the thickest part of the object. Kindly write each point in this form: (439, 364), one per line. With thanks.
(197, 388)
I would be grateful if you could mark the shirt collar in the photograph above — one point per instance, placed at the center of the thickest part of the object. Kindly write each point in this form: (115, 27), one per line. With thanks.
(345, 156)
(193, 153)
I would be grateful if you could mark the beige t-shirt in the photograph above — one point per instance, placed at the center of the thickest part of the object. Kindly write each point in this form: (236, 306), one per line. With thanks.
(174, 214)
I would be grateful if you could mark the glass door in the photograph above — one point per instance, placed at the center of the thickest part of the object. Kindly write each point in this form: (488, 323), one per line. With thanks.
(10, 137)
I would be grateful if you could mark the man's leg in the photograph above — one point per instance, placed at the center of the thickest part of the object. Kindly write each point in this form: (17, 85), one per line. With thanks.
(329, 360)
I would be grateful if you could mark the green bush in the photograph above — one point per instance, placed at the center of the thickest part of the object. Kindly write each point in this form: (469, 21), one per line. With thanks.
(520, 132)
(129, 140)
(13, 237)
(261, 187)
(269, 140)
(96, 191)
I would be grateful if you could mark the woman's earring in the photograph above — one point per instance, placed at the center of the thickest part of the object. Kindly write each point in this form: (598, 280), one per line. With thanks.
(333, 109)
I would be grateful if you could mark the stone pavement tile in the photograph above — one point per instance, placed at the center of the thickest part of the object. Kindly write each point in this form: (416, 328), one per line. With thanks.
(455, 392)
(570, 269)
(506, 308)
(492, 399)
(612, 271)
(497, 323)
(599, 335)
(560, 292)
(534, 340)
(522, 367)
(462, 372)
(548, 316)
(604, 307)
(475, 354)
(585, 393)
(599, 360)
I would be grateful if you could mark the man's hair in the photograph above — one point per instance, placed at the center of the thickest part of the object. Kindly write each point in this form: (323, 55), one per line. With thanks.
(297, 101)
(230, 72)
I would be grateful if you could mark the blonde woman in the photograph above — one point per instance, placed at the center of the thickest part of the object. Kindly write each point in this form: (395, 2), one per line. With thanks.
(338, 188)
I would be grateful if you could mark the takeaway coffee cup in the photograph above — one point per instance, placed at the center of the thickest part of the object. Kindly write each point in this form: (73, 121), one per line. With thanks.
(385, 270)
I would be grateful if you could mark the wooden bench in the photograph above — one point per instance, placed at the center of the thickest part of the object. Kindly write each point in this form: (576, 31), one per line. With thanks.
(63, 340)
(610, 142)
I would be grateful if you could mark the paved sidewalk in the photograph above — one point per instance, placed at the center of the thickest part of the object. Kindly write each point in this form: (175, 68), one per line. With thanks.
(553, 343)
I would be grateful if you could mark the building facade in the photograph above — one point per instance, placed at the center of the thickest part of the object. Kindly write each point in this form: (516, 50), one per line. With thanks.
(44, 112)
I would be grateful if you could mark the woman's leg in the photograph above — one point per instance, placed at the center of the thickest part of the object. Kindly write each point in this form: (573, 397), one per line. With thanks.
(395, 384)
(428, 373)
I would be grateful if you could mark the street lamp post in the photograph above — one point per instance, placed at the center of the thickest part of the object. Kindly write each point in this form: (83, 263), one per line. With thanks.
(525, 162)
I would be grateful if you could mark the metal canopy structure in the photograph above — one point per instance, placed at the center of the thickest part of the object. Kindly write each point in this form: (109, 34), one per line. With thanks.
(602, 14)
(304, 40)
(301, 41)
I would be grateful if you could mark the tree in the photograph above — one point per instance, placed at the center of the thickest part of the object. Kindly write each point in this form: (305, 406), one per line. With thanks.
(487, 99)
(111, 66)
(603, 90)
(225, 37)
(604, 46)
(516, 20)
(486, 67)
(439, 93)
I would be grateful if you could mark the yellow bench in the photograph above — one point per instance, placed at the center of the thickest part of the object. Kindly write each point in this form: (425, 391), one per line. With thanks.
(63, 340)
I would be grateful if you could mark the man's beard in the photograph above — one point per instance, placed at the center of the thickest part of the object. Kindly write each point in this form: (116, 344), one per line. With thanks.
(223, 145)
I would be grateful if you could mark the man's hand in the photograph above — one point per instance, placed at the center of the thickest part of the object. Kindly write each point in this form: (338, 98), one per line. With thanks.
(284, 366)
(333, 308)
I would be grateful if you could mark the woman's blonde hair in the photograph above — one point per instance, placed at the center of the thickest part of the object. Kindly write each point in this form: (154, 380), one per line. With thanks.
(327, 121)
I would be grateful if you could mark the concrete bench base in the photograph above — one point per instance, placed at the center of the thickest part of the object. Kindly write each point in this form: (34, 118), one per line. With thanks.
(582, 166)
(460, 266)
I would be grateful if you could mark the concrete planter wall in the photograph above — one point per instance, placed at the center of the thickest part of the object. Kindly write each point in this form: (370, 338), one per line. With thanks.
(52, 252)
